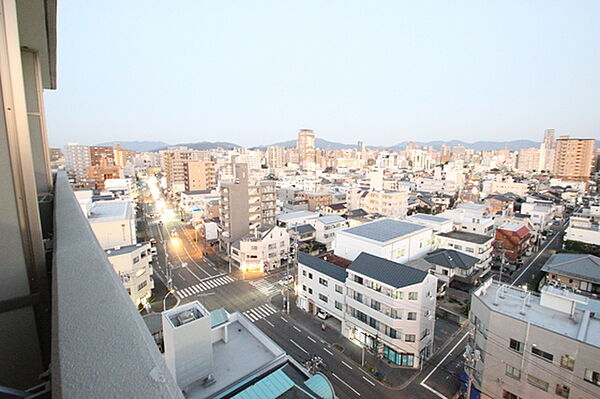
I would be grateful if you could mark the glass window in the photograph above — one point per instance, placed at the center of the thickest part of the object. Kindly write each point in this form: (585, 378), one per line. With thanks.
(509, 395)
(304, 273)
(323, 298)
(540, 353)
(413, 296)
(136, 259)
(303, 287)
(592, 376)
(323, 282)
(142, 285)
(310, 290)
(339, 289)
(401, 359)
(412, 316)
(410, 337)
(562, 390)
(513, 372)
(537, 382)
(397, 294)
(516, 345)
(338, 305)
(310, 276)
(567, 361)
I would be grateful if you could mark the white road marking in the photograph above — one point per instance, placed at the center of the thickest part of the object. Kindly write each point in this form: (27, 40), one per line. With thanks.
(310, 339)
(282, 318)
(297, 329)
(369, 381)
(346, 384)
(325, 349)
(269, 323)
(439, 395)
(347, 365)
(298, 346)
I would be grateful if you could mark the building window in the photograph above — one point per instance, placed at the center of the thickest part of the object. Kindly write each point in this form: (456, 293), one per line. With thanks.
(411, 316)
(357, 297)
(338, 305)
(562, 390)
(303, 287)
(375, 305)
(567, 361)
(323, 282)
(310, 291)
(310, 276)
(458, 247)
(339, 289)
(509, 395)
(513, 372)
(375, 286)
(136, 259)
(470, 250)
(592, 376)
(425, 334)
(516, 345)
(538, 383)
(397, 294)
(358, 279)
(374, 323)
(401, 359)
(413, 296)
(323, 298)
(304, 273)
(142, 285)
(540, 353)
(410, 337)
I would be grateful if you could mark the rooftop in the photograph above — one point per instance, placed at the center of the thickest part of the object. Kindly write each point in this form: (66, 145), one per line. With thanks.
(429, 218)
(297, 215)
(196, 192)
(322, 266)
(305, 228)
(510, 301)
(466, 236)
(330, 219)
(581, 266)
(384, 230)
(451, 259)
(125, 249)
(110, 211)
(385, 271)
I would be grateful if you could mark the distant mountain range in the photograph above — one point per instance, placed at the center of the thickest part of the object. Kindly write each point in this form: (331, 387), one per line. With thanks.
(331, 145)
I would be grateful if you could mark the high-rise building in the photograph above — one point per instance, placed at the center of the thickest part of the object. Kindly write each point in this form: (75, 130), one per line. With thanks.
(547, 151)
(306, 147)
(275, 157)
(199, 175)
(100, 153)
(187, 170)
(529, 160)
(573, 158)
(122, 156)
(77, 160)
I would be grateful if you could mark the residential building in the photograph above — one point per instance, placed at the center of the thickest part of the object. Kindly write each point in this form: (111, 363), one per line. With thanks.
(305, 233)
(318, 200)
(391, 239)
(504, 187)
(123, 156)
(203, 203)
(472, 218)
(578, 272)
(265, 248)
(476, 245)
(77, 160)
(528, 160)
(306, 148)
(437, 223)
(335, 209)
(512, 241)
(325, 228)
(574, 158)
(101, 155)
(199, 175)
(99, 173)
(541, 212)
(534, 346)
(133, 264)
(292, 199)
(583, 229)
(390, 309)
(113, 223)
(449, 264)
(386, 203)
(294, 219)
(547, 152)
(500, 204)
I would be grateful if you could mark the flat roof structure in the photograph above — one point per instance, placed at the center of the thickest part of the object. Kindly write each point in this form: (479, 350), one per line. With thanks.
(110, 211)
(384, 230)
(466, 236)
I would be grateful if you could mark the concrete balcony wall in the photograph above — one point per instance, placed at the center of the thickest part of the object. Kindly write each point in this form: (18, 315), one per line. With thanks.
(101, 347)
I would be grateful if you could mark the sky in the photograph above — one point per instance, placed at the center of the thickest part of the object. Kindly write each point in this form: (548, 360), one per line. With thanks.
(254, 72)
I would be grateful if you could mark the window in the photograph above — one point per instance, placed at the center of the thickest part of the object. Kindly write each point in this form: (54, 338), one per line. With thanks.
(401, 359)
(375, 286)
(303, 287)
(562, 390)
(310, 291)
(142, 285)
(413, 296)
(585, 286)
(516, 345)
(339, 289)
(410, 337)
(323, 298)
(397, 294)
(412, 316)
(358, 279)
(375, 305)
(592, 376)
(509, 395)
(458, 247)
(567, 361)
(254, 247)
(304, 273)
(544, 355)
(513, 372)
(358, 297)
(323, 282)
(136, 259)
(470, 250)
(338, 305)
(310, 276)
(374, 323)
(538, 383)
(395, 314)
(424, 334)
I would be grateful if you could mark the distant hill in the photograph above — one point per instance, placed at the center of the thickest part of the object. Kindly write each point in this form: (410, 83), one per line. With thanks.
(478, 145)
(210, 145)
(321, 144)
(141, 146)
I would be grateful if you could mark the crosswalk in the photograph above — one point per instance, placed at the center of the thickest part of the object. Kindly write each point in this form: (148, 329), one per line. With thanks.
(204, 286)
(260, 312)
(264, 286)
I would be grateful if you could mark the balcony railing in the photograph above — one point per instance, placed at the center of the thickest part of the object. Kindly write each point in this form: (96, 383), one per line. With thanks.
(101, 347)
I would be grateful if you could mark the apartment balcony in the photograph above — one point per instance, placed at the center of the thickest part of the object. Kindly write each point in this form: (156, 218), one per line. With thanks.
(100, 346)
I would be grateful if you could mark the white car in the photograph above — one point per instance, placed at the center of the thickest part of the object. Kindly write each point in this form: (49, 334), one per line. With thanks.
(153, 251)
(286, 280)
(321, 314)
(173, 233)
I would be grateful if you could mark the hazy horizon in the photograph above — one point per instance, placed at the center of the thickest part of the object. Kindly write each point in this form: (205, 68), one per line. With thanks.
(386, 72)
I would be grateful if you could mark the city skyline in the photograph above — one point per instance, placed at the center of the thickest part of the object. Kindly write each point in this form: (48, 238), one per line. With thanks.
(254, 74)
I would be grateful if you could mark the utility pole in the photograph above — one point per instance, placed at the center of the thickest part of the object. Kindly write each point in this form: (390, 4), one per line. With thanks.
(472, 356)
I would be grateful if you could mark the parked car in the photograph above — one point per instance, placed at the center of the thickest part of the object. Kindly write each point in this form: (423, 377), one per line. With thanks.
(321, 314)
(153, 251)
(286, 280)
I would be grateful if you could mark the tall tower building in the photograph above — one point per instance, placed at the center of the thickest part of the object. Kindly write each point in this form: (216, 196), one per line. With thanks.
(547, 151)
(77, 160)
(573, 158)
(306, 147)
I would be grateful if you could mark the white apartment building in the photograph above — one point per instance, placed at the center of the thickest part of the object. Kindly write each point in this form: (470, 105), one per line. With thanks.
(120, 187)
(437, 223)
(535, 346)
(113, 223)
(391, 239)
(476, 245)
(472, 218)
(325, 228)
(504, 187)
(386, 203)
(133, 265)
(584, 230)
(77, 160)
(384, 306)
(295, 219)
(265, 249)
(432, 185)
(542, 213)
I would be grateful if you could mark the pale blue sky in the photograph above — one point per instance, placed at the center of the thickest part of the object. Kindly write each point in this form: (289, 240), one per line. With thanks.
(254, 72)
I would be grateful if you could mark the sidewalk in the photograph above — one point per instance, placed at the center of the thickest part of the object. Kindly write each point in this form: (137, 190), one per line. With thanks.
(390, 375)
